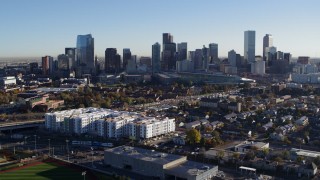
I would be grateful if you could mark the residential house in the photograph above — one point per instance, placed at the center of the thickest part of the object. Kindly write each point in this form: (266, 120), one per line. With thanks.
(216, 124)
(267, 126)
(234, 106)
(192, 125)
(209, 102)
(277, 136)
(303, 121)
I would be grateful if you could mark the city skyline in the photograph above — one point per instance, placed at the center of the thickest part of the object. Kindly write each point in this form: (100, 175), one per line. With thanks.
(38, 28)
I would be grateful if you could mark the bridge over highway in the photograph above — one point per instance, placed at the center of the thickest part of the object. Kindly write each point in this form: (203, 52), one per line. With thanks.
(21, 125)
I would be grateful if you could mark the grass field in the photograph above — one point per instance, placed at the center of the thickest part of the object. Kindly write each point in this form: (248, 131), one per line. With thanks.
(41, 172)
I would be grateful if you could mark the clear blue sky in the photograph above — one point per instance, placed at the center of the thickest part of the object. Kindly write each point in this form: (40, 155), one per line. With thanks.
(46, 27)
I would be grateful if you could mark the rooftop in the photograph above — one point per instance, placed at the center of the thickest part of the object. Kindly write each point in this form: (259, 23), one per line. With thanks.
(189, 168)
(302, 152)
(145, 154)
(248, 144)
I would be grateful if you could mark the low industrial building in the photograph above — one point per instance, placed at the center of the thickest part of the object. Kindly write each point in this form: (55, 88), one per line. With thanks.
(157, 164)
(246, 146)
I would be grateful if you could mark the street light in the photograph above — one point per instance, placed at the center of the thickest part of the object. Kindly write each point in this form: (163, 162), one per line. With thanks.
(84, 175)
(92, 156)
(35, 142)
(67, 142)
(49, 147)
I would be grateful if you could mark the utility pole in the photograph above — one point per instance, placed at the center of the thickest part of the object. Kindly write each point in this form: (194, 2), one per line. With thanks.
(67, 142)
(35, 142)
(92, 156)
(49, 147)
(84, 175)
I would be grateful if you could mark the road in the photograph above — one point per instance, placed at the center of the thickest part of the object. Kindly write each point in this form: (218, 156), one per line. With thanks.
(6, 124)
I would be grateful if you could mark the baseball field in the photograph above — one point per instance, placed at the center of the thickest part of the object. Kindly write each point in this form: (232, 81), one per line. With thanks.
(42, 171)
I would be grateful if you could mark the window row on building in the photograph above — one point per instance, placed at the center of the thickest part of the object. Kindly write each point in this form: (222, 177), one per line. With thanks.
(108, 123)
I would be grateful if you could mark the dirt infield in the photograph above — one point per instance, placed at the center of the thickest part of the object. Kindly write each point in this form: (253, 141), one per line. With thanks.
(21, 167)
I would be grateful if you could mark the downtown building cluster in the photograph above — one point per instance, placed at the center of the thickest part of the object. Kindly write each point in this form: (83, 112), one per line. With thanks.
(170, 61)
(108, 123)
(166, 57)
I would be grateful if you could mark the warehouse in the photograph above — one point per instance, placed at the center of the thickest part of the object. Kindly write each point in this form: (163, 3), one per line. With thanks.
(158, 164)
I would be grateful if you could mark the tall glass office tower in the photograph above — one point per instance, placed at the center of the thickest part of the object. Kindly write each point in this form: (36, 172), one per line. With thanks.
(267, 42)
(85, 54)
(156, 58)
(249, 46)
(213, 51)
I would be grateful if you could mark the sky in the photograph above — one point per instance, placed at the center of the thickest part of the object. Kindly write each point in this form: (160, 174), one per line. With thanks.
(35, 28)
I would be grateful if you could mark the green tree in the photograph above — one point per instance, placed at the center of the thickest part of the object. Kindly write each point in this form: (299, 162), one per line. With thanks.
(202, 141)
(278, 159)
(299, 159)
(317, 160)
(193, 136)
(220, 154)
(285, 154)
(265, 151)
(250, 155)
(236, 155)
(215, 134)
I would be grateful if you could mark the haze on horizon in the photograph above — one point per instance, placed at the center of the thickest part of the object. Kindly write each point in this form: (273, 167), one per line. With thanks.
(37, 28)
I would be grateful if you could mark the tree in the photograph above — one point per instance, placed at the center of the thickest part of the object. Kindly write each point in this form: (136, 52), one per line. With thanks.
(202, 141)
(278, 159)
(220, 154)
(285, 154)
(236, 155)
(317, 160)
(215, 134)
(265, 151)
(286, 140)
(299, 159)
(250, 155)
(193, 136)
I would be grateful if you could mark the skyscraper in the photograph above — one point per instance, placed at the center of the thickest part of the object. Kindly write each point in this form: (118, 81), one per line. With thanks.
(287, 57)
(232, 58)
(168, 52)
(167, 38)
(197, 59)
(126, 56)
(168, 56)
(267, 42)
(205, 57)
(47, 65)
(213, 52)
(112, 61)
(249, 46)
(85, 54)
(71, 53)
(271, 55)
(182, 51)
(63, 62)
(156, 58)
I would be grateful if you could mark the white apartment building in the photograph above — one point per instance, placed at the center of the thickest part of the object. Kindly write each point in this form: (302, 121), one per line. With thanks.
(108, 123)
(9, 80)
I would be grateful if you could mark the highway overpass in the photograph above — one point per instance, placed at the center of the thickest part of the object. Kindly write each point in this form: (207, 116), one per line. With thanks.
(20, 125)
